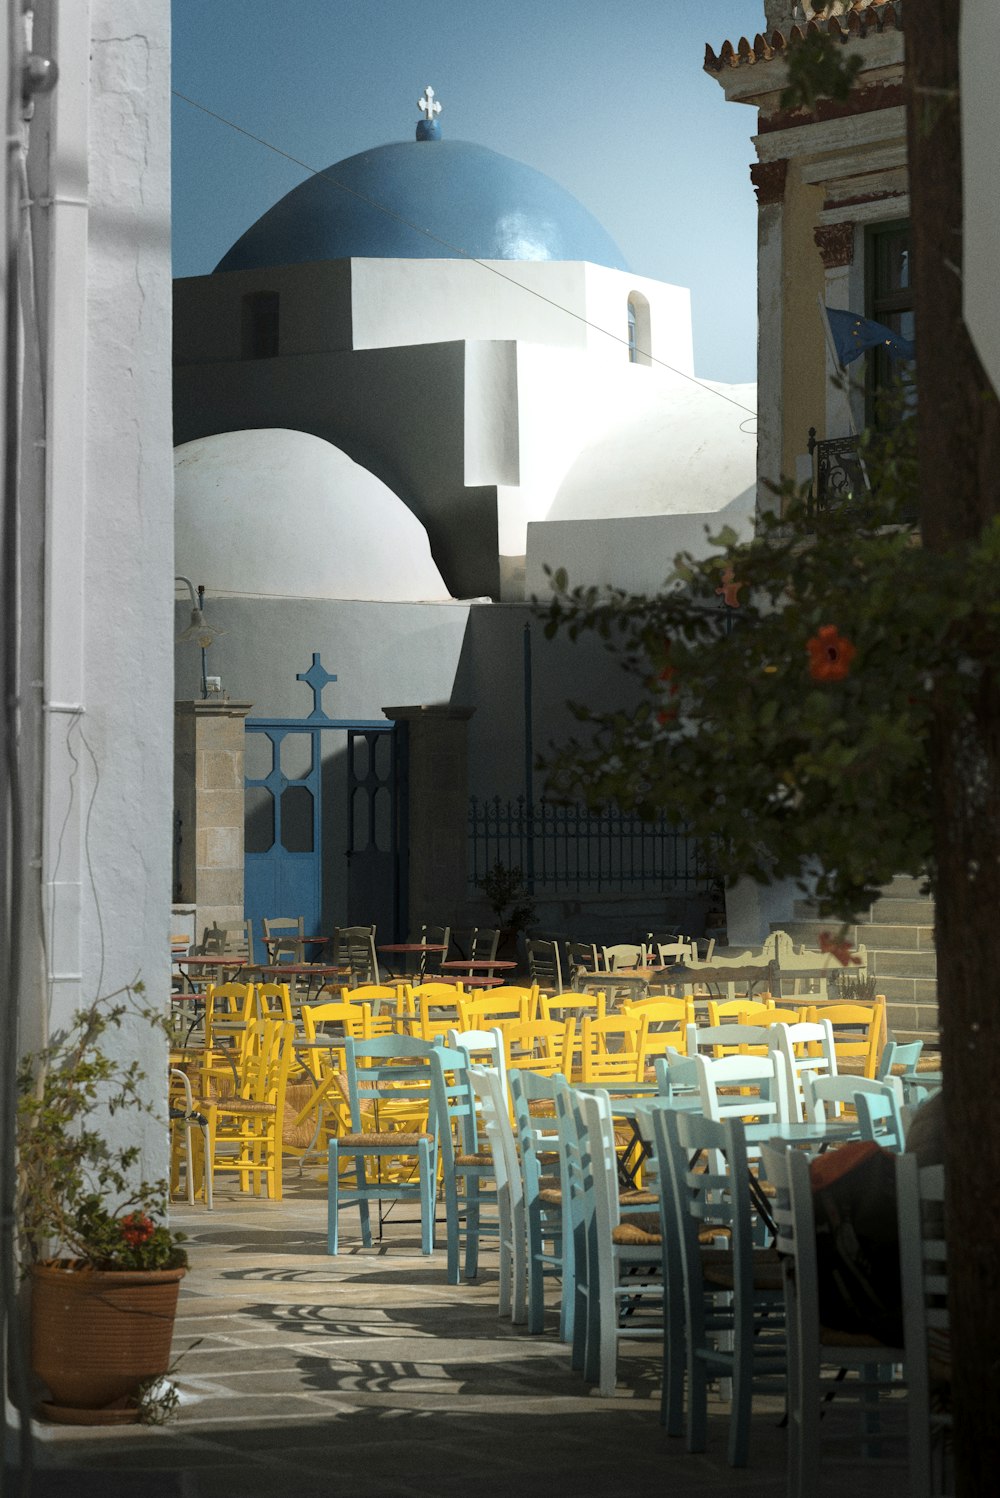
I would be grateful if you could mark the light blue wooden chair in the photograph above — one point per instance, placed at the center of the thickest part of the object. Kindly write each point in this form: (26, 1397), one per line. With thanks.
(386, 1076)
(623, 1288)
(733, 1292)
(548, 1246)
(880, 1118)
(466, 1167)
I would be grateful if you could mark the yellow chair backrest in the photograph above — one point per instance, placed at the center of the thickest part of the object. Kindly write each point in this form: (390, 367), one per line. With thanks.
(773, 1015)
(719, 1010)
(858, 1033)
(666, 1020)
(437, 1010)
(613, 1048)
(481, 1011)
(273, 1001)
(335, 1018)
(227, 1005)
(563, 1006)
(540, 1045)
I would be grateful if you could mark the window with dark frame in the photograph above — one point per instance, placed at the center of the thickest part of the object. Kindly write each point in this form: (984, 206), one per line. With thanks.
(260, 325)
(888, 300)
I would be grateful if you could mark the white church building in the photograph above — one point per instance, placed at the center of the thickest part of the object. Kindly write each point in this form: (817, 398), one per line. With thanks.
(422, 377)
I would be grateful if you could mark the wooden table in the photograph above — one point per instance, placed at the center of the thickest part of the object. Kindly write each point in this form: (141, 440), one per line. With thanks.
(413, 949)
(271, 943)
(473, 964)
(207, 965)
(310, 971)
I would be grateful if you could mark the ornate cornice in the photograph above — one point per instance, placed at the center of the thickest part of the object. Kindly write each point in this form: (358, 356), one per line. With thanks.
(768, 178)
(835, 243)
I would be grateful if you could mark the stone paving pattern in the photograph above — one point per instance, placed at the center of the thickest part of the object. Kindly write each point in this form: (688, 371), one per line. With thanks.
(368, 1376)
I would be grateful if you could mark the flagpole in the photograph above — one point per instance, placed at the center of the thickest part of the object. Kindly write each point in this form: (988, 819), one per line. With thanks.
(831, 345)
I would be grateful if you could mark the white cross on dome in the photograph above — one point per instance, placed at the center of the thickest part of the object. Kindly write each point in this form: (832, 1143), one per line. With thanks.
(428, 104)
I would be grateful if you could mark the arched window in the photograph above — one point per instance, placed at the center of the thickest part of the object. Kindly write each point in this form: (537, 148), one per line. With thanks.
(639, 342)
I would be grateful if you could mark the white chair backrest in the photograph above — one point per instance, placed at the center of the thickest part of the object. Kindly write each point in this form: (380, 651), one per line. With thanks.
(482, 1048)
(494, 1120)
(826, 1097)
(702, 1039)
(790, 1042)
(623, 954)
(743, 1087)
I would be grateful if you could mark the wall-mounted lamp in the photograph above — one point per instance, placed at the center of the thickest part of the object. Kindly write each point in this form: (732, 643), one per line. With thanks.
(199, 631)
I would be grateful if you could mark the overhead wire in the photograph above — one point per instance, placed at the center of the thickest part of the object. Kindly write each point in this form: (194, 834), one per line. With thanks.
(453, 248)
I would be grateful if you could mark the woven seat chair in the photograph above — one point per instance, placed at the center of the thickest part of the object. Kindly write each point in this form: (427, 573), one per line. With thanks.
(467, 1168)
(733, 1292)
(395, 1069)
(244, 1125)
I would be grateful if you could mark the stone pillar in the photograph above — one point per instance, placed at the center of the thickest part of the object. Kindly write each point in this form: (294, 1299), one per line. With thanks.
(438, 796)
(208, 799)
(769, 179)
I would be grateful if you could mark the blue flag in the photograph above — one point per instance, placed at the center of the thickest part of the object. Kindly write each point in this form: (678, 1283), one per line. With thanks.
(854, 336)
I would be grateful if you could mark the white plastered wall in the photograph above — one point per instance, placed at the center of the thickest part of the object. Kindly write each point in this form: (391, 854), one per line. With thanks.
(980, 47)
(103, 253)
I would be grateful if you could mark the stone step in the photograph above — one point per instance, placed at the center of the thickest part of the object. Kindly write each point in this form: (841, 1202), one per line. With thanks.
(909, 990)
(896, 938)
(889, 911)
(889, 964)
(905, 887)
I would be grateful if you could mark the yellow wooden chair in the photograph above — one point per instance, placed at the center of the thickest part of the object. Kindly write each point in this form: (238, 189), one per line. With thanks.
(858, 1034)
(272, 1001)
(437, 1012)
(244, 1130)
(500, 1005)
(540, 1045)
(667, 1021)
(573, 1005)
(613, 1049)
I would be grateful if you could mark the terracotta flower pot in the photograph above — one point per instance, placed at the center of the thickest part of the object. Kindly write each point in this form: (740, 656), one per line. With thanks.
(96, 1335)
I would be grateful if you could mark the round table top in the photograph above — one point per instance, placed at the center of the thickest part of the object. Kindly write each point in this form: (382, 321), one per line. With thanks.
(297, 969)
(469, 964)
(220, 960)
(412, 946)
(479, 980)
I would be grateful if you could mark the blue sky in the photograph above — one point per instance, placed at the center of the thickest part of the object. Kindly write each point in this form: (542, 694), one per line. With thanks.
(609, 99)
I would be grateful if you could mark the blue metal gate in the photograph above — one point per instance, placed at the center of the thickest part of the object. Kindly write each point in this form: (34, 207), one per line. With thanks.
(283, 803)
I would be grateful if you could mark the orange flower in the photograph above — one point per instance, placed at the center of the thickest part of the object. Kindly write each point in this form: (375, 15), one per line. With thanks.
(730, 589)
(830, 654)
(839, 948)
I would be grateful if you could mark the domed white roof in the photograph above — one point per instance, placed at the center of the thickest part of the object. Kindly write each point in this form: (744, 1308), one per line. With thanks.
(679, 451)
(282, 513)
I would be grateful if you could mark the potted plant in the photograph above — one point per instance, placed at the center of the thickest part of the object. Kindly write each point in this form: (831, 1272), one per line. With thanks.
(512, 905)
(104, 1268)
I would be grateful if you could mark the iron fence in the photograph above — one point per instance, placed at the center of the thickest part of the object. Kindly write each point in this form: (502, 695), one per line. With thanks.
(569, 848)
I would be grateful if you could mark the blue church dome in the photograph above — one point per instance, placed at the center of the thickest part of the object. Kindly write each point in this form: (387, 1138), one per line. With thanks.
(471, 201)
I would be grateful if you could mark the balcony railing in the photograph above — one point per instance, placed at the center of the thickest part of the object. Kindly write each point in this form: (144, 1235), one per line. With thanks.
(839, 472)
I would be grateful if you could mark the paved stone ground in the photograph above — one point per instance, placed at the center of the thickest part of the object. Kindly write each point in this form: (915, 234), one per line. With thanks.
(368, 1376)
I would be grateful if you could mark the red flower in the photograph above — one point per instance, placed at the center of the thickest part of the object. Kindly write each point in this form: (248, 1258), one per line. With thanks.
(730, 589)
(839, 948)
(136, 1229)
(666, 678)
(830, 654)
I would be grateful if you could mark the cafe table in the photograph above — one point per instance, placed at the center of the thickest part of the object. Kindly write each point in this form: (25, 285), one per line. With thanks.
(406, 949)
(317, 973)
(473, 965)
(276, 942)
(201, 968)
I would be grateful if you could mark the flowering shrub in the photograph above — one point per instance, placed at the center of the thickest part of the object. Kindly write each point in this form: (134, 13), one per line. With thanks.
(130, 1240)
(790, 745)
(67, 1173)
